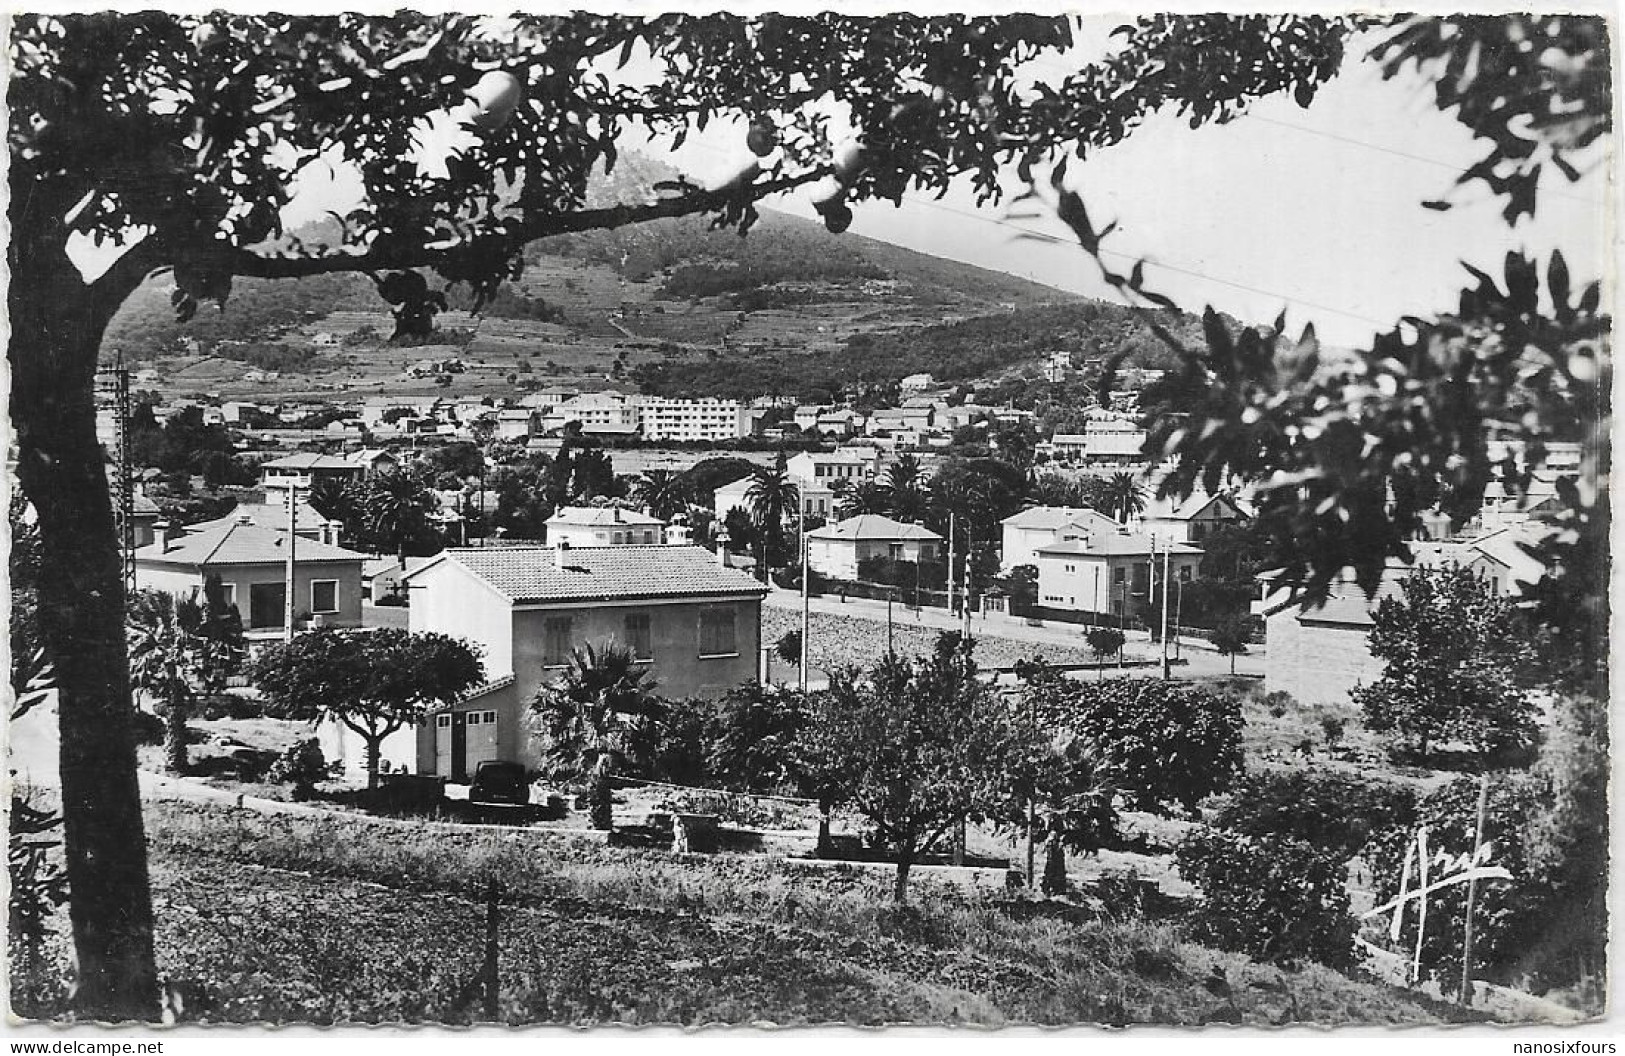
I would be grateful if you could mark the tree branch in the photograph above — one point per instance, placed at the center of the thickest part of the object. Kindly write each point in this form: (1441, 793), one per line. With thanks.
(247, 263)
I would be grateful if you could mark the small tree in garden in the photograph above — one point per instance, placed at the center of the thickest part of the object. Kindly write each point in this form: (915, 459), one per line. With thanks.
(914, 746)
(373, 682)
(1230, 637)
(1273, 897)
(754, 729)
(181, 648)
(789, 647)
(1450, 646)
(1164, 742)
(1331, 811)
(600, 718)
(1104, 642)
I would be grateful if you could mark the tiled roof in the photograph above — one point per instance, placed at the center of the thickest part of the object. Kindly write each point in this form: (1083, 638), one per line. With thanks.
(1050, 517)
(273, 516)
(872, 526)
(1115, 544)
(594, 516)
(530, 574)
(242, 544)
(308, 460)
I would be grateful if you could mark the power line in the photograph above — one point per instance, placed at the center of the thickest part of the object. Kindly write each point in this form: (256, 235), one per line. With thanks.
(1045, 236)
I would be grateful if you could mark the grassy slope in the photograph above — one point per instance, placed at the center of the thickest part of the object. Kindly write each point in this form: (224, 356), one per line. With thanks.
(287, 919)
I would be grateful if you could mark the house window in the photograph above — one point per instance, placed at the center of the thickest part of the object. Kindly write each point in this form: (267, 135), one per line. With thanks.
(619, 538)
(638, 638)
(556, 641)
(480, 718)
(718, 635)
(1118, 575)
(324, 595)
(443, 722)
(1184, 573)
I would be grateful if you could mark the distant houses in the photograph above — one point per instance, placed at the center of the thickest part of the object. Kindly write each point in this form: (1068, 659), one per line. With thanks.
(1025, 533)
(588, 526)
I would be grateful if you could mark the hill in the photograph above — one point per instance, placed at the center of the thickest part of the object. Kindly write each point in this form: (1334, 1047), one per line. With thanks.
(674, 306)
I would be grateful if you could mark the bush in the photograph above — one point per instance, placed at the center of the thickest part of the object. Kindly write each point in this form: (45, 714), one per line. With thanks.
(1332, 812)
(300, 765)
(1274, 898)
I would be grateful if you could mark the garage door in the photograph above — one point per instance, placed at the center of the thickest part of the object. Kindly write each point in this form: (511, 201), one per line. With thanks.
(442, 745)
(480, 742)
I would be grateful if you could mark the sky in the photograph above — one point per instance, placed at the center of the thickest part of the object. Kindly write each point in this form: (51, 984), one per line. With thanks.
(1315, 212)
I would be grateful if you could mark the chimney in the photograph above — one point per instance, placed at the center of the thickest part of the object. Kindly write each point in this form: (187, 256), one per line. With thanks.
(330, 532)
(559, 551)
(615, 515)
(160, 535)
(724, 559)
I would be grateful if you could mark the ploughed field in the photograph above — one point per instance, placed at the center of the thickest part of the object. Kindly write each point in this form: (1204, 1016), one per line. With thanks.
(287, 918)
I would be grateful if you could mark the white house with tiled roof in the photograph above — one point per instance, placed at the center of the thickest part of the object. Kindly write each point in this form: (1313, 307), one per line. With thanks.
(1110, 572)
(251, 562)
(695, 622)
(1191, 519)
(835, 550)
(304, 469)
(1027, 532)
(585, 526)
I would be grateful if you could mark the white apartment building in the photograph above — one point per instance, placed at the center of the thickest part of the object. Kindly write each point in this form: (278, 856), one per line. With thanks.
(654, 417)
(708, 419)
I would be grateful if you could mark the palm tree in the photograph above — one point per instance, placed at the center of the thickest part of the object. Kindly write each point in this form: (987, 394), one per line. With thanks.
(180, 647)
(398, 508)
(905, 487)
(867, 496)
(334, 499)
(1125, 496)
(601, 717)
(661, 491)
(773, 497)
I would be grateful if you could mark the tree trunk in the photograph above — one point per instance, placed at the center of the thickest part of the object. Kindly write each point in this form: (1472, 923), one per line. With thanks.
(175, 736)
(1232, 663)
(899, 892)
(57, 325)
(601, 800)
(1054, 868)
(374, 749)
(826, 846)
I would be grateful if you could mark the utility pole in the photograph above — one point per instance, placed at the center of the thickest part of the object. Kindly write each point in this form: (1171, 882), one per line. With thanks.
(1472, 892)
(1167, 555)
(287, 586)
(951, 556)
(806, 602)
(891, 594)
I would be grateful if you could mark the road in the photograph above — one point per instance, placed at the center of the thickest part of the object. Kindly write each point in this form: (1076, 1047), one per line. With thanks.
(1202, 660)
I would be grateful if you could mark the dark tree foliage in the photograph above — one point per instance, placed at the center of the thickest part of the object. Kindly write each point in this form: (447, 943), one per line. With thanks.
(1331, 811)
(374, 682)
(1273, 897)
(1451, 649)
(751, 746)
(1167, 744)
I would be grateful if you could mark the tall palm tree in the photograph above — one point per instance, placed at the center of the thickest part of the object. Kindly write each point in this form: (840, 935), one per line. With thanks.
(1125, 496)
(398, 506)
(773, 498)
(867, 496)
(601, 717)
(181, 647)
(662, 491)
(905, 486)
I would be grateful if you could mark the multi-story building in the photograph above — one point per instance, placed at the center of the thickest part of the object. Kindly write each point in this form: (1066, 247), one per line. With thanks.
(1031, 530)
(678, 420)
(692, 621)
(1110, 572)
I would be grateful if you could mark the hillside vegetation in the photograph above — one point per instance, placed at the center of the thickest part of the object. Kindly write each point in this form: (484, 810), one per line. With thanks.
(673, 306)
